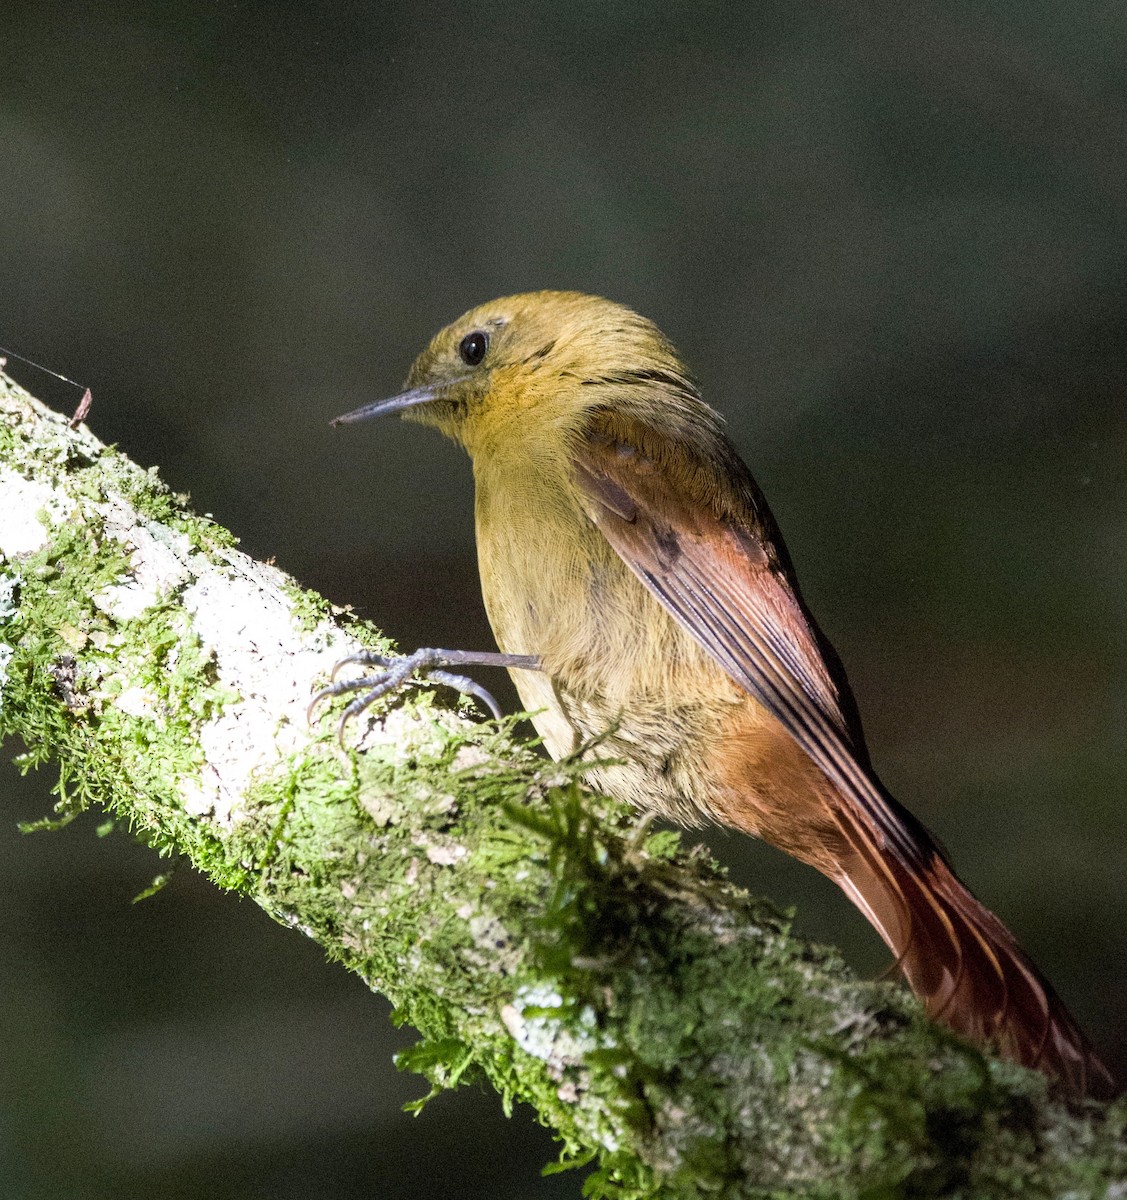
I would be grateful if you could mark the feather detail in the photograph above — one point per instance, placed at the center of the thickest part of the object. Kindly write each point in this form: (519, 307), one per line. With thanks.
(697, 534)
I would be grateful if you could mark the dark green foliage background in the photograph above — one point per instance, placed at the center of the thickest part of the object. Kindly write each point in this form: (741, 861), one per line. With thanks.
(891, 241)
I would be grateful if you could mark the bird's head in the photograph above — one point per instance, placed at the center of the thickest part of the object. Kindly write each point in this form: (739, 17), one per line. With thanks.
(535, 365)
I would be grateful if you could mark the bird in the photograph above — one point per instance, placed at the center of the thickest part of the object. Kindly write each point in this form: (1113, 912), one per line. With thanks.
(640, 593)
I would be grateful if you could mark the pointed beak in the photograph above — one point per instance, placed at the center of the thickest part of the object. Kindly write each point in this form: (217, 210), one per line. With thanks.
(394, 404)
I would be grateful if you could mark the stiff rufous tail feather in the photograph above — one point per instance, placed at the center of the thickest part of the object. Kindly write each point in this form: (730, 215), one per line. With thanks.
(968, 970)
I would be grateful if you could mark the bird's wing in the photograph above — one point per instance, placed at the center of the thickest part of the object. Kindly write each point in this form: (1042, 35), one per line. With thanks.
(714, 568)
(719, 580)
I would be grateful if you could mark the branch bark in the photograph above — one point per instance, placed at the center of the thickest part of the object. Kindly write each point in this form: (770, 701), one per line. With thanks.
(664, 1023)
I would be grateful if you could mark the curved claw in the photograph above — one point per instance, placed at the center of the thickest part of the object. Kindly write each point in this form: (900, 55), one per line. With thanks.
(323, 694)
(354, 708)
(335, 689)
(366, 658)
(470, 687)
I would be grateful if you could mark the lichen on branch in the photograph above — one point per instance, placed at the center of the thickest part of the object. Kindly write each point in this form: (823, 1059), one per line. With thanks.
(666, 1025)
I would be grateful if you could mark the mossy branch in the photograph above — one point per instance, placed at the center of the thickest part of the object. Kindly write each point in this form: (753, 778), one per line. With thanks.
(665, 1024)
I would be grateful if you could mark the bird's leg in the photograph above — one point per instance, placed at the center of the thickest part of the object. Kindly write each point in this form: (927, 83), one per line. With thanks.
(430, 663)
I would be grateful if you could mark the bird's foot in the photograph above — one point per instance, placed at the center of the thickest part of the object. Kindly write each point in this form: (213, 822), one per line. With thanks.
(428, 663)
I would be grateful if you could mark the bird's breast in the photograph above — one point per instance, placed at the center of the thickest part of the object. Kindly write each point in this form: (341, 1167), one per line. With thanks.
(613, 659)
(553, 586)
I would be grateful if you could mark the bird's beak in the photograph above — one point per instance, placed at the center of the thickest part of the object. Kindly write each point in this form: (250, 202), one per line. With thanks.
(394, 404)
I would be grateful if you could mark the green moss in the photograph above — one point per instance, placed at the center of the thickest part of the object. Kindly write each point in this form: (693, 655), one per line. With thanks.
(310, 610)
(53, 610)
(646, 964)
(63, 687)
(112, 472)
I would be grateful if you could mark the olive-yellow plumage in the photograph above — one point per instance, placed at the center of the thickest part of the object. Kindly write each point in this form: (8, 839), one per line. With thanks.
(552, 584)
(625, 549)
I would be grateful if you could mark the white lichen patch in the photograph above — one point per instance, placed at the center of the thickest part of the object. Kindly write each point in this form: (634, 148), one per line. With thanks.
(401, 735)
(159, 561)
(242, 618)
(6, 653)
(243, 614)
(561, 1041)
(383, 807)
(446, 856)
(137, 702)
(9, 585)
(470, 756)
(23, 505)
(440, 850)
(245, 621)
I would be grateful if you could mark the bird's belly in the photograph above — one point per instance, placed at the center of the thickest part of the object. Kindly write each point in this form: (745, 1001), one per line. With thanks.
(655, 755)
(619, 677)
(727, 762)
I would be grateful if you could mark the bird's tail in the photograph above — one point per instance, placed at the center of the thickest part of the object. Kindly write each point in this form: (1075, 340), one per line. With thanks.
(968, 970)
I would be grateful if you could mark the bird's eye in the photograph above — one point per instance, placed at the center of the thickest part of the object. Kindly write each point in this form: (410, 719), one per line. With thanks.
(473, 346)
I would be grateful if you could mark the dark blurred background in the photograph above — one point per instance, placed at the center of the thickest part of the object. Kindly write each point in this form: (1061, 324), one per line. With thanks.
(891, 242)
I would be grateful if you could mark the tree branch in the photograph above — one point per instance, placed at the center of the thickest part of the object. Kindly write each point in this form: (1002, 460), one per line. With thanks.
(665, 1024)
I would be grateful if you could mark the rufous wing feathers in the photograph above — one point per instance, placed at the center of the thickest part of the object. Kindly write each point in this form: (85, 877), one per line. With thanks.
(703, 543)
